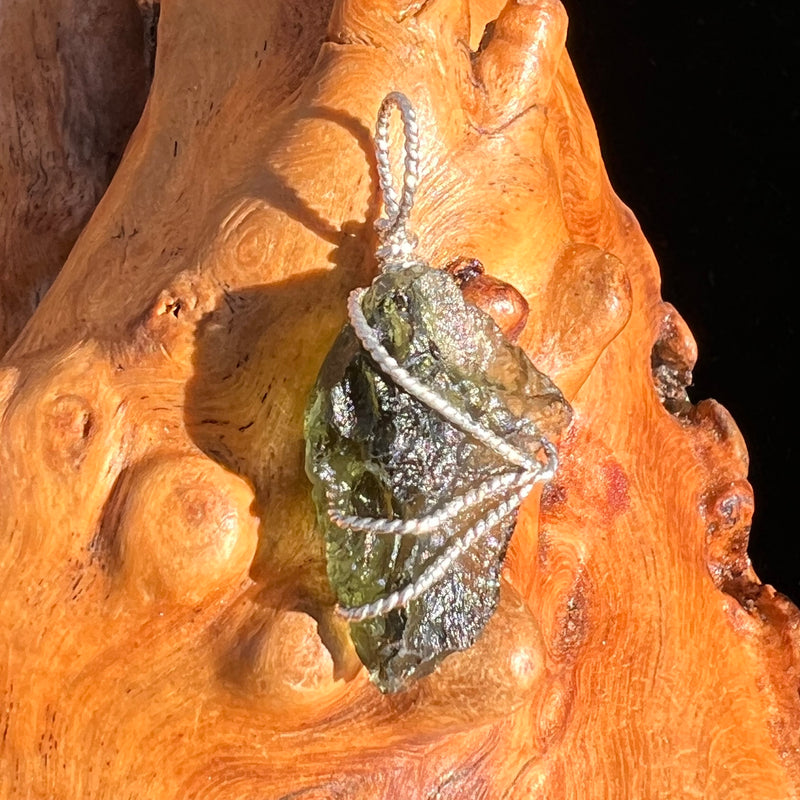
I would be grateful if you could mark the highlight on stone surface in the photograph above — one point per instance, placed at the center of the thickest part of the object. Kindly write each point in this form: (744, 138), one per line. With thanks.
(375, 451)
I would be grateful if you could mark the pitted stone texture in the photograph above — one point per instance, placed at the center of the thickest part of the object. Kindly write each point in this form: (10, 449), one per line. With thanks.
(381, 453)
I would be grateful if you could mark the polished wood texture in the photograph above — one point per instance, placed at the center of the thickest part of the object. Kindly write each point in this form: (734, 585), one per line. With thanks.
(167, 627)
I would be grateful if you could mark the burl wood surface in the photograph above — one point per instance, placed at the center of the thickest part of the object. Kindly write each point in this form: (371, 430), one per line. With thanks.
(167, 627)
(73, 81)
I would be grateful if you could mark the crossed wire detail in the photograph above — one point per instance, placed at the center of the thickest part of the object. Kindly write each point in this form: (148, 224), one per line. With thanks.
(395, 253)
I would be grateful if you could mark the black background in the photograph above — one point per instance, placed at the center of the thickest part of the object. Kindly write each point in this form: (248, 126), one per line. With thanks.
(697, 112)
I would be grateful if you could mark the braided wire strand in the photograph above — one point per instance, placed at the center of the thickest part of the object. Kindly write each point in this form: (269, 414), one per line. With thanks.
(430, 522)
(395, 250)
(397, 244)
(439, 567)
(436, 571)
(405, 380)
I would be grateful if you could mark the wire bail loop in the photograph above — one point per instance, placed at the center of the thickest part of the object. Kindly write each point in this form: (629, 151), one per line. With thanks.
(397, 243)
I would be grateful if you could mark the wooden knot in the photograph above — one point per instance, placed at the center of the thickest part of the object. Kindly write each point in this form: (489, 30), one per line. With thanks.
(281, 659)
(672, 359)
(565, 594)
(183, 528)
(553, 711)
(502, 671)
(724, 446)
(500, 300)
(728, 513)
(585, 304)
(70, 423)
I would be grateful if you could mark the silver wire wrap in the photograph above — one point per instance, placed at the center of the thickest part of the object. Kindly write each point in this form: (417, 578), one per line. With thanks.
(533, 472)
(396, 243)
(430, 522)
(395, 252)
(405, 380)
(435, 571)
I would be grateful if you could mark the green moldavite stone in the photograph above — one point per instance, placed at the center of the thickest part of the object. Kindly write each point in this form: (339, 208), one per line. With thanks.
(375, 451)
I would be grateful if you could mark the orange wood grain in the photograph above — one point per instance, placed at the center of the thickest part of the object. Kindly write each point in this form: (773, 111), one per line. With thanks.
(167, 624)
(73, 81)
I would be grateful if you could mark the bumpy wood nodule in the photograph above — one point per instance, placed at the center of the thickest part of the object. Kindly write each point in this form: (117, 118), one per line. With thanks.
(167, 626)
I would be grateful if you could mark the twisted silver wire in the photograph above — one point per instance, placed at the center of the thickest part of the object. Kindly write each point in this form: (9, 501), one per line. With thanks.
(430, 522)
(397, 243)
(533, 472)
(438, 569)
(394, 252)
(405, 380)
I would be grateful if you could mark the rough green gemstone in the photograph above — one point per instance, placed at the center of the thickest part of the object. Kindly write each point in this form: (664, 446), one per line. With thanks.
(379, 452)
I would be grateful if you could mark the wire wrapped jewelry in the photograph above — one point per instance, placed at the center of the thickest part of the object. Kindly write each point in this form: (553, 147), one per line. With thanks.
(425, 431)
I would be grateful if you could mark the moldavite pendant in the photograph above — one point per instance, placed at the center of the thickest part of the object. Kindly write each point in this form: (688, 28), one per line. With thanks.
(425, 431)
